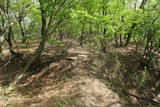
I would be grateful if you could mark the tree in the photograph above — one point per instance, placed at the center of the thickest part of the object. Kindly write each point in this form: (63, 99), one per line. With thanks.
(47, 27)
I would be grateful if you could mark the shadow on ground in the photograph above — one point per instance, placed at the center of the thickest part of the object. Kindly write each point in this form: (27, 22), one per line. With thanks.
(53, 67)
(125, 74)
(121, 72)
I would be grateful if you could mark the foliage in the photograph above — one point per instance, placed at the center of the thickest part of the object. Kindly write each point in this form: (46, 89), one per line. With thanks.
(100, 24)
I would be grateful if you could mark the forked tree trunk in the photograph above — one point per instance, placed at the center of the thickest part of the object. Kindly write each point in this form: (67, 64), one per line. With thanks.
(38, 52)
(43, 39)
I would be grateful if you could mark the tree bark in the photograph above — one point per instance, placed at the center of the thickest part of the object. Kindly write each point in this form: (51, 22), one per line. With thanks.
(9, 38)
(22, 30)
(2, 33)
(1, 45)
(120, 40)
(43, 39)
(103, 42)
(40, 47)
(129, 35)
(82, 36)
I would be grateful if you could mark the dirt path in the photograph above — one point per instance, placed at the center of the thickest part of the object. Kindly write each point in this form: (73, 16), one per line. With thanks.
(81, 90)
(90, 92)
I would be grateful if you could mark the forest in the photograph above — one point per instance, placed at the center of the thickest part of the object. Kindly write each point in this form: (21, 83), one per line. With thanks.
(79, 53)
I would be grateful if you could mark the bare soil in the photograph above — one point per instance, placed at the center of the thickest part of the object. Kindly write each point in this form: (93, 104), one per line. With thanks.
(60, 79)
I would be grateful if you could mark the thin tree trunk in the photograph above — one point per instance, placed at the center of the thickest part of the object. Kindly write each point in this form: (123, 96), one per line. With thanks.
(9, 38)
(134, 25)
(82, 36)
(116, 40)
(129, 35)
(43, 39)
(2, 33)
(22, 31)
(103, 42)
(1, 45)
(40, 47)
(143, 4)
(120, 40)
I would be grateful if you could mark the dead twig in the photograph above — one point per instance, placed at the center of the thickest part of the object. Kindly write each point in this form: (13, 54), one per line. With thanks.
(148, 100)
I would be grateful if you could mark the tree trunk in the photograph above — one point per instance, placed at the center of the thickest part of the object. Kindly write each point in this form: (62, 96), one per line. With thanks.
(116, 40)
(2, 32)
(9, 38)
(38, 52)
(120, 40)
(103, 42)
(128, 39)
(1, 45)
(143, 4)
(43, 39)
(82, 36)
(22, 31)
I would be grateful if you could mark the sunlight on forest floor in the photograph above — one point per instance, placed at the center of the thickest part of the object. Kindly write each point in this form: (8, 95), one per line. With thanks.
(77, 79)
(57, 82)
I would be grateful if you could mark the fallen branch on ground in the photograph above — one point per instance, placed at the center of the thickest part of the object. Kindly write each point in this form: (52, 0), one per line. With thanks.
(148, 100)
